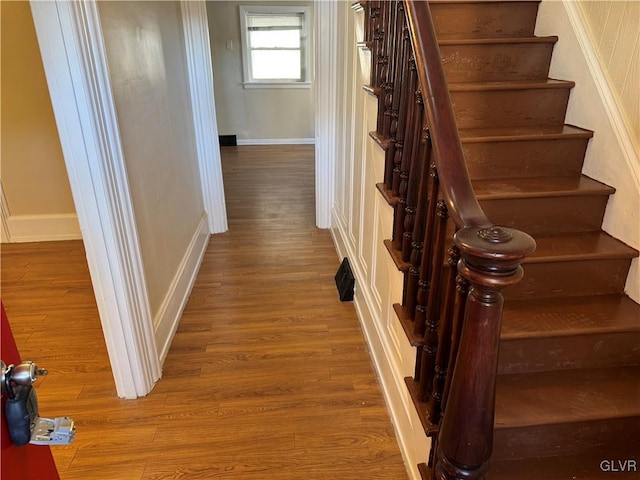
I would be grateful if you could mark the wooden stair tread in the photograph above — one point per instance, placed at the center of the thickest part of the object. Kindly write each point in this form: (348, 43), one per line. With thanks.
(371, 90)
(538, 187)
(496, 40)
(584, 466)
(511, 85)
(509, 133)
(595, 314)
(382, 142)
(583, 245)
(567, 396)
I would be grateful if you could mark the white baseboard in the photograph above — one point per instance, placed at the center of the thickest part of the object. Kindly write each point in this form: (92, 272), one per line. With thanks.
(168, 317)
(43, 228)
(276, 141)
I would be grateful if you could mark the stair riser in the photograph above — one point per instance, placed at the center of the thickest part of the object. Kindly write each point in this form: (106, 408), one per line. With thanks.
(496, 62)
(501, 108)
(586, 277)
(548, 215)
(521, 159)
(569, 352)
(566, 439)
(488, 20)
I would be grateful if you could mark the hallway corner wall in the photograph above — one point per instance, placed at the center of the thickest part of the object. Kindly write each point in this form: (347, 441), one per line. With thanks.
(39, 205)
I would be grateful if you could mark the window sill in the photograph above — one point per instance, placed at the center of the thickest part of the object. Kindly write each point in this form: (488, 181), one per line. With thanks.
(258, 85)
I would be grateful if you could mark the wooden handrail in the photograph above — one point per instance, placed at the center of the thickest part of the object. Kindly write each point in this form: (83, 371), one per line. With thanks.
(490, 260)
(463, 206)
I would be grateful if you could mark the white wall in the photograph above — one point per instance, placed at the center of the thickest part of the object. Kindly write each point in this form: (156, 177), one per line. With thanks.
(614, 28)
(37, 199)
(147, 64)
(611, 157)
(278, 114)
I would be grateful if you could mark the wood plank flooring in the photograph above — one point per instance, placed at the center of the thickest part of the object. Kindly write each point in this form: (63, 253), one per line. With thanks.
(268, 377)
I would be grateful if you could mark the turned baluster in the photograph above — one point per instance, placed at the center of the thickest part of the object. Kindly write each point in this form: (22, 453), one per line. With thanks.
(417, 243)
(405, 115)
(419, 314)
(462, 289)
(444, 338)
(491, 260)
(416, 178)
(383, 63)
(432, 320)
(391, 67)
(400, 68)
(374, 13)
(391, 90)
(368, 21)
(410, 160)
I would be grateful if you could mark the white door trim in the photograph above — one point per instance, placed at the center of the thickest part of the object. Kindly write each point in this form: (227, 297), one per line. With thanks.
(326, 108)
(199, 68)
(73, 54)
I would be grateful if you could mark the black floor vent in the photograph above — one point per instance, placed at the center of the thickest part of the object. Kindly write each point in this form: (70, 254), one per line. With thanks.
(228, 140)
(345, 281)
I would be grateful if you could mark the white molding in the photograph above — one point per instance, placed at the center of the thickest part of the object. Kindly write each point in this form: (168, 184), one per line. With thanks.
(276, 141)
(168, 316)
(74, 58)
(4, 218)
(43, 228)
(616, 118)
(306, 47)
(276, 85)
(326, 107)
(198, 53)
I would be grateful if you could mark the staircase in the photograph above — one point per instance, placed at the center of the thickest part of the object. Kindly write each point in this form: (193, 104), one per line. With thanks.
(568, 377)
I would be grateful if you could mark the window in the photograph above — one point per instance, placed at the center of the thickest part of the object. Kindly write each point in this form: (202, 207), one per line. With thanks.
(275, 46)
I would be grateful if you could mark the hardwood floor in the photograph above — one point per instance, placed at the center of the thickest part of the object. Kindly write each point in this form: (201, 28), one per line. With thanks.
(268, 376)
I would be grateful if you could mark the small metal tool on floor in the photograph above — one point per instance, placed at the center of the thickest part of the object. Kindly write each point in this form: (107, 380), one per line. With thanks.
(21, 409)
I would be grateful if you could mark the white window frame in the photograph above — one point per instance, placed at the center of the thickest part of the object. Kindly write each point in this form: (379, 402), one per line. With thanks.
(249, 81)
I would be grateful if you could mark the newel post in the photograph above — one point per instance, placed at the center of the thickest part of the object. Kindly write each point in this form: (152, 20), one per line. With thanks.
(490, 261)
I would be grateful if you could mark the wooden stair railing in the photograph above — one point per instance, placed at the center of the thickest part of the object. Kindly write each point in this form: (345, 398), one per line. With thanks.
(569, 330)
(453, 317)
(490, 258)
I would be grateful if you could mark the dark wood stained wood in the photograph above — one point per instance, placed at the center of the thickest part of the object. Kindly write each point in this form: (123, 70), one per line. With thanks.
(386, 194)
(492, 60)
(415, 340)
(569, 331)
(430, 429)
(382, 142)
(454, 19)
(396, 256)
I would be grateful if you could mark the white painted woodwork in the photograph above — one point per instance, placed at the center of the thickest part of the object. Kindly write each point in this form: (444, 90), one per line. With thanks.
(74, 58)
